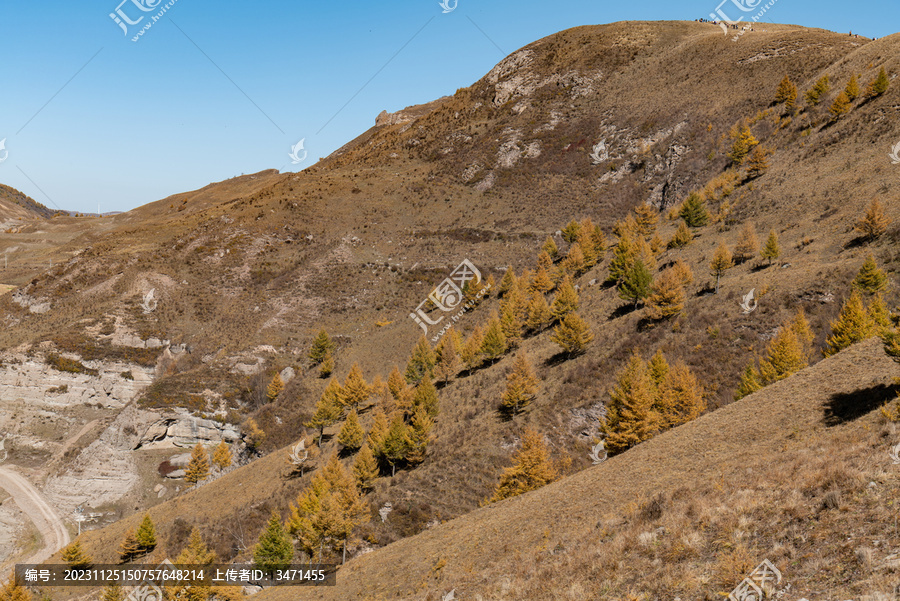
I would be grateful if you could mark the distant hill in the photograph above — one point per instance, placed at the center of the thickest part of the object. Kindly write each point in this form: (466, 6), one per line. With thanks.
(13, 203)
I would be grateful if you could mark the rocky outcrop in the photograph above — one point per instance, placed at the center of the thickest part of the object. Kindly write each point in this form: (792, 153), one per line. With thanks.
(186, 432)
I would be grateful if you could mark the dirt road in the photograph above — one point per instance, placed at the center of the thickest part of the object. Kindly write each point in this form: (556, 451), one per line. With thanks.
(54, 535)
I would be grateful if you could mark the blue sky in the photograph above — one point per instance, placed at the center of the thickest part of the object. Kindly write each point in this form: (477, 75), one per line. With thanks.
(214, 89)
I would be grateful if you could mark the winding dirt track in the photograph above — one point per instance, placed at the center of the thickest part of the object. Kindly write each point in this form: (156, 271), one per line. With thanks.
(53, 533)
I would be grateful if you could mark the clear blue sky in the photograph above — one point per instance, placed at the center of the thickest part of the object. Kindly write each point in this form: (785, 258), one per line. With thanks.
(218, 88)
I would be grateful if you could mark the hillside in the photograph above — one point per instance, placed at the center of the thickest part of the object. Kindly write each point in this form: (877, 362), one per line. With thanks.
(590, 122)
(15, 205)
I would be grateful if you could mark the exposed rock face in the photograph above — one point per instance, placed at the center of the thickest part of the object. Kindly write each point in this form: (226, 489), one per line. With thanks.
(186, 432)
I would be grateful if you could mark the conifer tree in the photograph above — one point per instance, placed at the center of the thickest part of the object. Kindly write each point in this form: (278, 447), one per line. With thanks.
(624, 255)
(630, 418)
(425, 396)
(490, 286)
(599, 239)
(195, 554)
(786, 93)
(327, 366)
(198, 467)
(721, 262)
(627, 227)
(880, 315)
(668, 296)
(274, 550)
(879, 85)
(356, 390)
(743, 143)
(111, 592)
(659, 368)
(76, 557)
(771, 251)
(565, 301)
(693, 210)
(840, 107)
(494, 344)
(683, 271)
(870, 278)
(275, 387)
(328, 409)
(447, 352)
(146, 534)
(507, 282)
(645, 254)
(12, 591)
(757, 162)
(521, 386)
(681, 397)
(748, 244)
(749, 381)
(396, 382)
(636, 285)
(471, 354)
(646, 217)
(550, 248)
(421, 362)
(814, 94)
(852, 89)
(351, 435)
(379, 429)
(531, 469)
(570, 232)
(129, 549)
(511, 321)
(574, 263)
(419, 435)
(785, 356)
(572, 335)
(682, 237)
(397, 443)
(222, 455)
(321, 345)
(585, 243)
(365, 469)
(874, 223)
(853, 325)
(539, 313)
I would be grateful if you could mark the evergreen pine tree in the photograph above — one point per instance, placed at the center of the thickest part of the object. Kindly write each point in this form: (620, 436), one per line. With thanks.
(693, 210)
(721, 262)
(870, 278)
(785, 356)
(356, 390)
(425, 396)
(853, 325)
(146, 534)
(531, 469)
(840, 107)
(749, 382)
(623, 256)
(682, 237)
(668, 296)
(76, 557)
(852, 89)
(771, 250)
(521, 386)
(539, 313)
(275, 387)
(493, 346)
(421, 362)
(198, 467)
(565, 301)
(397, 443)
(507, 282)
(550, 247)
(814, 94)
(274, 550)
(222, 455)
(351, 435)
(874, 223)
(419, 435)
(630, 418)
(365, 468)
(321, 345)
(636, 285)
(328, 409)
(572, 335)
(879, 85)
(511, 321)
